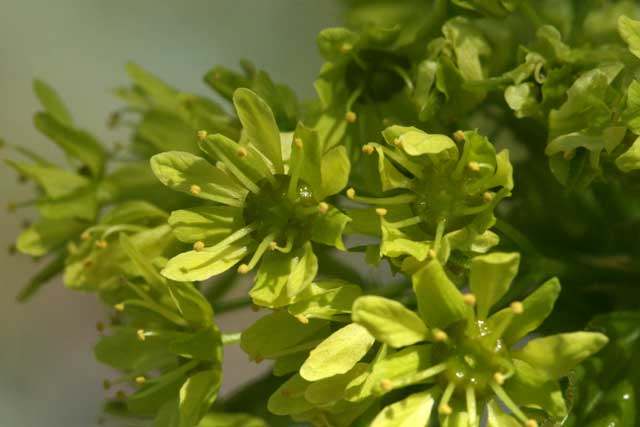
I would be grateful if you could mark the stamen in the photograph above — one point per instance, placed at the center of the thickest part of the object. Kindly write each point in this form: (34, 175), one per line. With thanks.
(507, 402)
(469, 299)
(242, 152)
(432, 253)
(140, 380)
(119, 307)
(257, 255)
(400, 199)
(302, 319)
(444, 407)
(471, 406)
(195, 189)
(233, 237)
(244, 179)
(406, 222)
(386, 384)
(323, 207)
(198, 246)
(202, 135)
(381, 211)
(458, 136)
(488, 196)
(140, 334)
(439, 335)
(291, 235)
(499, 378)
(351, 117)
(517, 307)
(368, 149)
(297, 142)
(294, 173)
(568, 155)
(531, 423)
(419, 377)
(473, 166)
(439, 233)
(346, 48)
(101, 244)
(85, 236)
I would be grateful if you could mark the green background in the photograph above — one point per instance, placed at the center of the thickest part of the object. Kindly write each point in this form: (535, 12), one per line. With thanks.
(48, 376)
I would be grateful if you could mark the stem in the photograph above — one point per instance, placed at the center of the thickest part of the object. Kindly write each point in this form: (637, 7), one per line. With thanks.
(232, 338)
(516, 237)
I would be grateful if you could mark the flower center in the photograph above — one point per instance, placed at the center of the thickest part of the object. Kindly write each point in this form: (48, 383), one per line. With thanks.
(274, 212)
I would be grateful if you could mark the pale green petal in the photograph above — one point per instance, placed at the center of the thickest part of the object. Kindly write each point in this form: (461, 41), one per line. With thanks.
(289, 398)
(328, 228)
(389, 321)
(528, 387)
(201, 265)
(413, 411)
(490, 278)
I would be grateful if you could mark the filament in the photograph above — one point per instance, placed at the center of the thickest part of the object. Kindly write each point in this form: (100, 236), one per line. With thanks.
(406, 222)
(420, 376)
(506, 400)
(446, 396)
(392, 200)
(162, 311)
(260, 250)
(233, 237)
(471, 406)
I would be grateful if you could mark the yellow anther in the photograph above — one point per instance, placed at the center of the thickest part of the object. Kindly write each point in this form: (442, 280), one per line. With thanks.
(101, 244)
(297, 142)
(302, 319)
(242, 152)
(386, 384)
(531, 423)
(432, 253)
(445, 409)
(85, 235)
(469, 299)
(119, 307)
(323, 207)
(517, 307)
(458, 136)
(473, 166)
(140, 380)
(487, 196)
(351, 117)
(498, 377)
(381, 211)
(140, 333)
(368, 149)
(397, 142)
(195, 189)
(273, 245)
(351, 193)
(198, 246)
(346, 48)
(243, 269)
(439, 335)
(202, 135)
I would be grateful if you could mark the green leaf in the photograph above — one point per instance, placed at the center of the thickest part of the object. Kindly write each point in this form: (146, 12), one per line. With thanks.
(469, 46)
(225, 81)
(52, 103)
(162, 94)
(197, 394)
(54, 181)
(529, 387)
(47, 235)
(259, 124)
(389, 321)
(272, 335)
(412, 411)
(328, 228)
(440, 303)
(165, 131)
(630, 159)
(330, 390)
(490, 278)
(202, 345)
(497, 418)
(390, 177)
(75, 142)
(124, 350)
(201, 265)
(144, 267)
(191, 304)
(181, 171)
(282, 276)
(209, 224)
(335, 172)
(338, 353)
(556, 355)
(629, 30)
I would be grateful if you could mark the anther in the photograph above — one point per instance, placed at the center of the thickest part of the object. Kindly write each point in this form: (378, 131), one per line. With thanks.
(517, 307)
(202, 135)
(273, 245)
(351, 193)
(302, 319)
(498, 377)
(487, 196)
(323, 207)
(119, 307)
(140, 380)
(458, 136)
(195, 189)
(298, 142)
(432, 253)
(351, 117)
(439, 335)
(346, 48)
(198, 246)
(386, 384)
(531, 423)
(242, 152)
(469, 299)
(445, 409)
(473, 166)
(243, 269)
(140, 334)
(381, 211)
(85, 235)
(368, 149)
(101, 244)
(397, 142)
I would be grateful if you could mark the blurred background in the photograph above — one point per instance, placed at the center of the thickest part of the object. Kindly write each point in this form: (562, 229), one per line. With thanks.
(48, 375)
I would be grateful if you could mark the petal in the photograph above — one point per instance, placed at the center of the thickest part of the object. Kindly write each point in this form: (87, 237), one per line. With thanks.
(490, 278)
(440, 303)
(389, 321)
(329, 227)
(413, 411)
(557, 354)
(201, 265)
(528, 387)
(497, 418)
